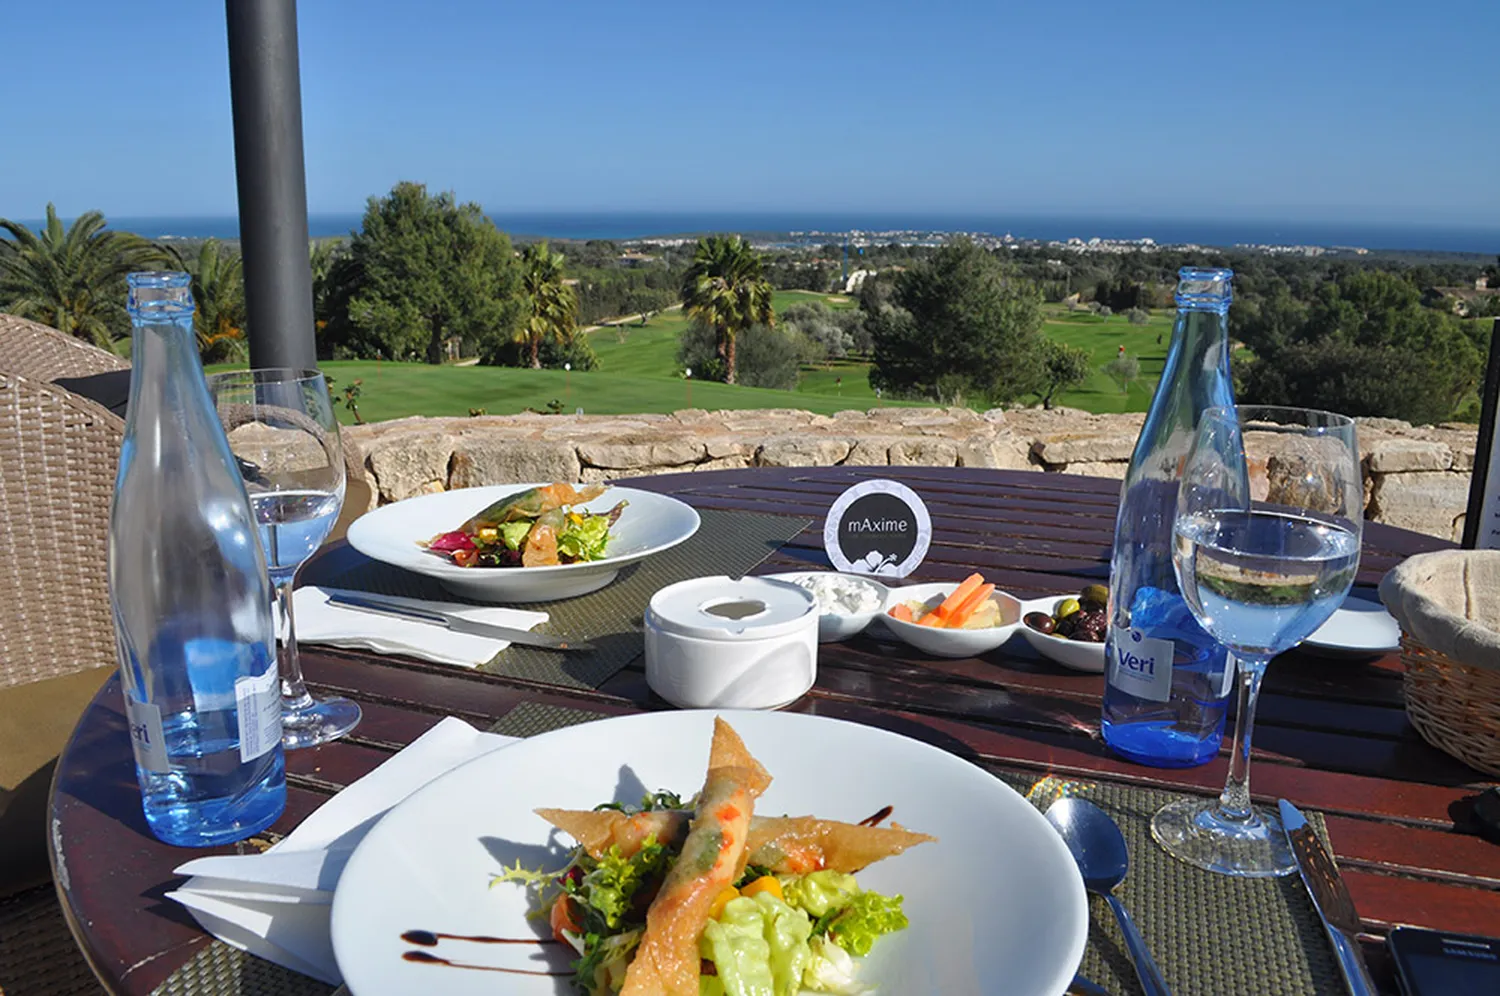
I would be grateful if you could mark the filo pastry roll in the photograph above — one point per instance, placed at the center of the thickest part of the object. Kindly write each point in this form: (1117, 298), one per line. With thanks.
(786, 845)
(713, 857)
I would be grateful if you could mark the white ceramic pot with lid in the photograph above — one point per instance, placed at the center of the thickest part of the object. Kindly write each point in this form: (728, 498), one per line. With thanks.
(731, 643)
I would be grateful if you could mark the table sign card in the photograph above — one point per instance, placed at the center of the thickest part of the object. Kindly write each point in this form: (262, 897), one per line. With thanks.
(1482, 519)
(877, 527)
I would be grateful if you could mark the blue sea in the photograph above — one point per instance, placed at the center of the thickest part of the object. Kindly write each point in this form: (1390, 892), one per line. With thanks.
(621, 225)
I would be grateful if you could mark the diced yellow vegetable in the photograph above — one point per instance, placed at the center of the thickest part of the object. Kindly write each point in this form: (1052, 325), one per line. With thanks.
(721, 901)
(766, 883)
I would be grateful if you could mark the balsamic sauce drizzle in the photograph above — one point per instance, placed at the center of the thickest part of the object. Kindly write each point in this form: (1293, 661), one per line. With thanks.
(429, 938)
(877, 817)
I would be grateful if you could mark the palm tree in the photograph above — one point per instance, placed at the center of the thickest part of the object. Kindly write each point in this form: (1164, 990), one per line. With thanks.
(72, 279)
(219, 295)
(551, 305)
(725, 289)
(219, 310)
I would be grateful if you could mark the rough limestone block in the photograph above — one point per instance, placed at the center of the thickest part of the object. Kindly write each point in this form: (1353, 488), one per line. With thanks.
(923, 451)
(1003, 451)
(802, 451)
(725, 447)
(1113, 469)
(640, 451)
(1431, 502)
(1395, 456)
(1070, 448)
(736, 462)
(403, 464)
(494, 459)
(870, 451)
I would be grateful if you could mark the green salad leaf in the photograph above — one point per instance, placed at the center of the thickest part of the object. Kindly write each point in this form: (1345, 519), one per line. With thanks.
(758, 946)
(867, 916)
(607, 890)
(583, 537)
(513, 534)
(820, 891)
(831, 969)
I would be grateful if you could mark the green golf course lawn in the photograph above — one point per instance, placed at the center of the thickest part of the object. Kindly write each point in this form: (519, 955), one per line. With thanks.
(638, 372)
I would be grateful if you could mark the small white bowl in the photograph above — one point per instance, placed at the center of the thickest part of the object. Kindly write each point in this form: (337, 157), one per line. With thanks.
(835, 626)
(1080, 655)
(952, 642)
(731, 643)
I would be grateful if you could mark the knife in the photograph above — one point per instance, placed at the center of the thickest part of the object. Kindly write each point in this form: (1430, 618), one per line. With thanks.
(1330, 897)
(457, 624)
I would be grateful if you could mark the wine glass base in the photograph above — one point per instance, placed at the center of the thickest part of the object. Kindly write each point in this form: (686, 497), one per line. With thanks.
(1194, 831)
(318, 722)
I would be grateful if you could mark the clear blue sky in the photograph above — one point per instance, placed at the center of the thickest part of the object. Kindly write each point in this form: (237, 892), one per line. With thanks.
(1373, 111)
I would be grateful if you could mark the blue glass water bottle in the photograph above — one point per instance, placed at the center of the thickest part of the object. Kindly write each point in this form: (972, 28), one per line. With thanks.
(190, 595)
(1167, 682)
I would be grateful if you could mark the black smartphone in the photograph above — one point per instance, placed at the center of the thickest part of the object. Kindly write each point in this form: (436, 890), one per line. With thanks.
(1434, 963)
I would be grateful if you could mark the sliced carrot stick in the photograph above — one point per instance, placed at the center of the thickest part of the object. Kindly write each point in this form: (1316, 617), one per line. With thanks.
(971, 605)
(953, 601)
(902, 612)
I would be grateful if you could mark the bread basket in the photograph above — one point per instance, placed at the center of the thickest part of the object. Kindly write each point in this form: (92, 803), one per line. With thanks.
(1448, 605)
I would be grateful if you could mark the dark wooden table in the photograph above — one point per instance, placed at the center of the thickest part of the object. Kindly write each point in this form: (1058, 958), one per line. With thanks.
(1331, 735)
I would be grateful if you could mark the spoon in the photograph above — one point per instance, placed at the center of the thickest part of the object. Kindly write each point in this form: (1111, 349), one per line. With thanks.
(1099, 848)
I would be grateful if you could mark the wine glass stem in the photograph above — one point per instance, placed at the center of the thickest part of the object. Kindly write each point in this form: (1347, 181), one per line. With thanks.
(293, 691)
(1234, 801)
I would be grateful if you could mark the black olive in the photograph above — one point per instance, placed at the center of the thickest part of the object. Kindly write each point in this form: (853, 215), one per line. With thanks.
(1040, 621)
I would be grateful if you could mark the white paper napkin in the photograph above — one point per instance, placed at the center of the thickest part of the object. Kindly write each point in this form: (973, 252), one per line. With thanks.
(320, 621)
(277, 904)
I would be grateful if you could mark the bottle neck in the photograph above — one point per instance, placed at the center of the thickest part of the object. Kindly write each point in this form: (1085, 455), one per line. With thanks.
(164, 358)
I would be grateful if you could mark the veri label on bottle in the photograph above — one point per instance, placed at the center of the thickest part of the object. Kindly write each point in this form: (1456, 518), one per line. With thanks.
(146, 736)
(259, 702)
(1140, 665)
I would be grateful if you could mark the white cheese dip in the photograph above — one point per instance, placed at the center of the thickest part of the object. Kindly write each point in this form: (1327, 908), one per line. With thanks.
(840, 594)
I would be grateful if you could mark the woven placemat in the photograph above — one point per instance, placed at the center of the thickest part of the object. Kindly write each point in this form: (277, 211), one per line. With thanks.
(1208, 933)
(530, 718)
(220, 970)
(726, 543)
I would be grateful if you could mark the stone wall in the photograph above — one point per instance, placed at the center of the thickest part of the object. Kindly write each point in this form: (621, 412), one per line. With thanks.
(1415, 477)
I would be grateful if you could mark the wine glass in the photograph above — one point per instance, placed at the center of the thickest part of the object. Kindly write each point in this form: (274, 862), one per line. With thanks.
(1261, 564)
(285, 438)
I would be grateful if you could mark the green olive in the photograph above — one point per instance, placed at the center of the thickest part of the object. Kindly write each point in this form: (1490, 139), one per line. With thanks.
(1096, 593)
(1066, 608)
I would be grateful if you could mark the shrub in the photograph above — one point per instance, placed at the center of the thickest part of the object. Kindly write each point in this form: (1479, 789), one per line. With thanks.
(1138, 316)
(765, 357)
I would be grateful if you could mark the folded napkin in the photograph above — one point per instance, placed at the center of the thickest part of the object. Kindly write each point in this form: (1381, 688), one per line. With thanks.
(321, 621)
(276, 904)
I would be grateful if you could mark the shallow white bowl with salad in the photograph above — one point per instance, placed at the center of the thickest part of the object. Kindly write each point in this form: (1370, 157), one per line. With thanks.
(394, 534)
(995, 905)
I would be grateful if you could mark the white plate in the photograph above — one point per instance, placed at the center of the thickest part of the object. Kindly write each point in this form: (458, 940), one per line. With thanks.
(996, 904)
(1358, 628)
(1080, 655)
(649, 524)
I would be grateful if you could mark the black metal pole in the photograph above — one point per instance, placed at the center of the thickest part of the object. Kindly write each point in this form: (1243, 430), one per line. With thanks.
(1479, 523)
(265, 91)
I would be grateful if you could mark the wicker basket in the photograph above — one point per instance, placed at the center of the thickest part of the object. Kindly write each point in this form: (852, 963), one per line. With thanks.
(1448, 605)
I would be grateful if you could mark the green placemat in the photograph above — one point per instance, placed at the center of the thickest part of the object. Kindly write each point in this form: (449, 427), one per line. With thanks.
(1208, 933)
(220, 970)
(530, 718)
(726, 543)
